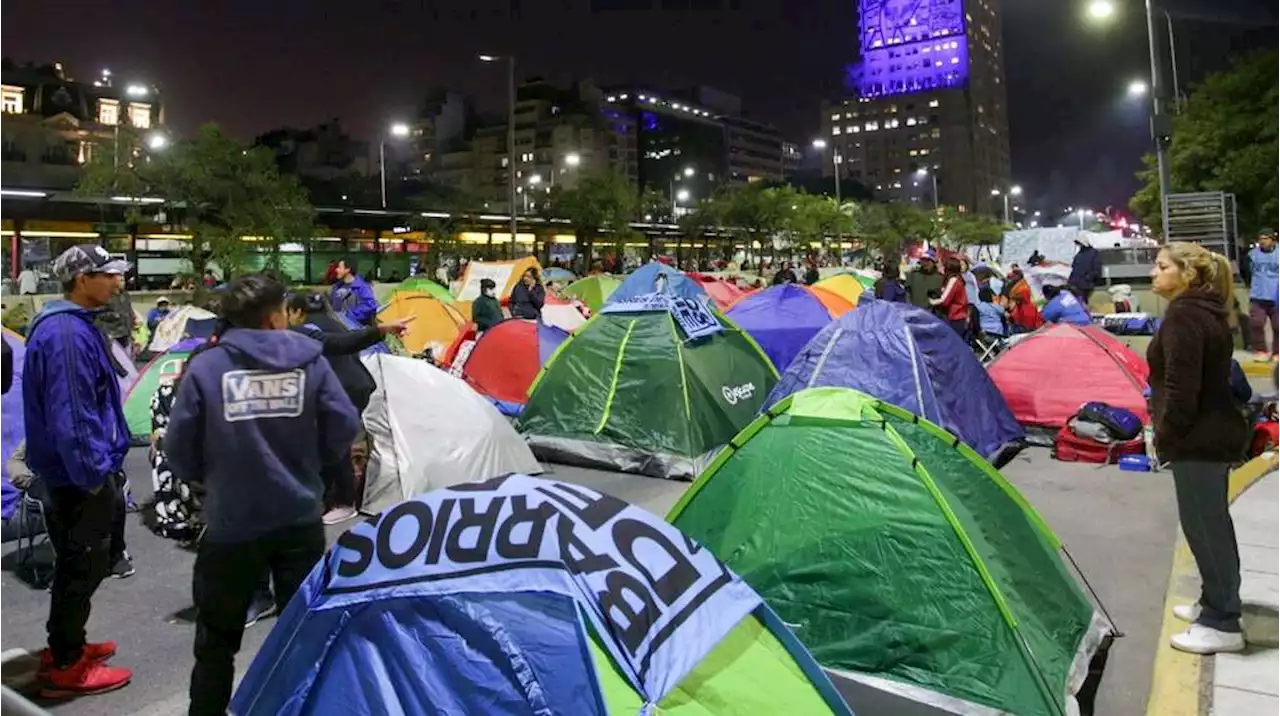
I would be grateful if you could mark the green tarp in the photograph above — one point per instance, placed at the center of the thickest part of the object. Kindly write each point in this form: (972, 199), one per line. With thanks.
(896, 552)
(627, 391)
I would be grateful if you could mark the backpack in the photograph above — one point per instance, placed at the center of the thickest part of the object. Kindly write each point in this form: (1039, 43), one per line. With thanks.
(1070, 446)
(1122, 423)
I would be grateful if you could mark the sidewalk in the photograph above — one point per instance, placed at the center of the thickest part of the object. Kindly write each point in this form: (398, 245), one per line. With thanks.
(1249, 682)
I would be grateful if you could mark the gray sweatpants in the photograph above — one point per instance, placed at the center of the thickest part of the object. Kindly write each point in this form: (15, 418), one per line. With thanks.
(1211, 535)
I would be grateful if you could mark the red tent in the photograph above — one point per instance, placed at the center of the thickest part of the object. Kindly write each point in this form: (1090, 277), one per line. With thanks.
(503, 362)
(722, 291)
(1047, 376)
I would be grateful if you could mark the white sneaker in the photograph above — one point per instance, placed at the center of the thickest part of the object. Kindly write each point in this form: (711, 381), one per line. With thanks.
(338, 515)
(1187, 612)
(1200, 639)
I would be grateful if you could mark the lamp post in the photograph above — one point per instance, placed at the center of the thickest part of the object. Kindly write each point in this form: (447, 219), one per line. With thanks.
(571, 160)
(1102, 11)
(1014, 190)
(920, 174)
(398, 130)
(511, 139)
(1081, 213)
(687, 173)
(820, 145)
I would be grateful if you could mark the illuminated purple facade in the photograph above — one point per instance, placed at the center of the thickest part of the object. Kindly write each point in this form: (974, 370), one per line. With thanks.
(909, 46)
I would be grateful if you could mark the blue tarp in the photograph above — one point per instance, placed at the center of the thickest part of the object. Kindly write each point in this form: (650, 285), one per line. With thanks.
(12, 431)
(657, 277)
(906, 356)
(782, 319)
(481, 598)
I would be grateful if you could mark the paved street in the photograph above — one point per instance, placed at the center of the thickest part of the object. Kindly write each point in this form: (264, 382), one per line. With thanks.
(1119, 526)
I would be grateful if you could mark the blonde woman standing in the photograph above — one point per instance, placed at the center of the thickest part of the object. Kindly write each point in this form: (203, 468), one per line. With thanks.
(1200, 432)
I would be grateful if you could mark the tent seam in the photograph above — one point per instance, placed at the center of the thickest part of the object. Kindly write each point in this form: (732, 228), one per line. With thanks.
(826, 353)
(992, 588)
(613, 384)
(684, 382)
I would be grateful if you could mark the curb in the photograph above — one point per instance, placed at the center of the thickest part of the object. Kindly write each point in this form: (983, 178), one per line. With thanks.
(1181, 683)
(1256, 369)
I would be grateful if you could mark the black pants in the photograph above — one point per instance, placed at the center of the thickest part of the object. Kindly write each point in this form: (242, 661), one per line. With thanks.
(1211, 535)
(226, 574)
(82, 528)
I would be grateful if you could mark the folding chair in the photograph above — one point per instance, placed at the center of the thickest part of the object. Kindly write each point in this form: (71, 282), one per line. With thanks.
(29, 507)
(988, 346)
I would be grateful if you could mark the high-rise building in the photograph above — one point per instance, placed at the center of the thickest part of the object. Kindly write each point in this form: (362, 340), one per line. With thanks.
(928, 106)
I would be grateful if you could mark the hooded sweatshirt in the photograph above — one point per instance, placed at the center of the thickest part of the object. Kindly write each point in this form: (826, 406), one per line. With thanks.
(354, 300)
(76, 431)
(1192, 406)
(256, 419)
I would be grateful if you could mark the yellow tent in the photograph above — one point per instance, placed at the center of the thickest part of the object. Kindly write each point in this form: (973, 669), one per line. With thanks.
(843, 285)
(435, 324)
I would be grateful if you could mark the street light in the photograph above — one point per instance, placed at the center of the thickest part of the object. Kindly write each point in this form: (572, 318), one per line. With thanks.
(1137, 88)
(1103, 10)
(136, 90)
(511, 139)
(821, 144)
(397, 130)
(157, 141)
(682, 195)
(572, 159)
(688, 173)
(1083, 213)
(921, 173)
(1014, 190)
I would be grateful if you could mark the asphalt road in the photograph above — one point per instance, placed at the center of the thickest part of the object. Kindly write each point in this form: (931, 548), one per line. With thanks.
(1119, 526)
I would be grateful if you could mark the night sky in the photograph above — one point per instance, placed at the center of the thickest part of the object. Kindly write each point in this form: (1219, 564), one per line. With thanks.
(253, 66)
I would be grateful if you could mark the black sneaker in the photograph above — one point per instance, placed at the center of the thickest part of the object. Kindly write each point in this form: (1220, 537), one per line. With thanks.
(259, 608)
(122, 567)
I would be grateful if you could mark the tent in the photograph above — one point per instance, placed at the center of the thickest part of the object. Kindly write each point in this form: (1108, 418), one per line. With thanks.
(505, 275)
(921, 580)
(182, 323)
(566, 314)
(905, 356)
(847, 286)
(721, 290)
(503, 362)
(593, 290)
(122, 360)
(651, 387)
(164, 367)
(12, 423)
(657, 277)
(425, 285)
(1048, 375)
(475, 600)
(783, 318)
(434, 323)
(428, 430)
(558, 275)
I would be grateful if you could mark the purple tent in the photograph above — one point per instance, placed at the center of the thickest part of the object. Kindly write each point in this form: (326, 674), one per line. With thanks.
(782, 319)
(12, 431)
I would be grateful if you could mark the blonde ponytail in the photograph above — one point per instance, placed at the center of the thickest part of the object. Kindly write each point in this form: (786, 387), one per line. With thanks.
(1205, 270)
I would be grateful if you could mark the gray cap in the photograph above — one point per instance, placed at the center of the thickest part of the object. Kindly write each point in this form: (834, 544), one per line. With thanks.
(87, 258)
(1267, 232)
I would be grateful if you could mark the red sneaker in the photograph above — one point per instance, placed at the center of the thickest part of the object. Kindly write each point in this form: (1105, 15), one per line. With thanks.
(82, 678)
(94, 652)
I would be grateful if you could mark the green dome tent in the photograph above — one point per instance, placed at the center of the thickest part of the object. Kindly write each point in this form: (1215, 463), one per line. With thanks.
(910, 568)
(652, 386)
(425, 285)
(164, 366)
(593, 290)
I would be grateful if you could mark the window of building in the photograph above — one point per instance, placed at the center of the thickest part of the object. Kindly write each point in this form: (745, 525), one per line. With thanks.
(140, 115)
(891, 124)
(933, 103)
(835, 131)
(851, 129)
(872, 126)
(11, 99)
(835, 116)
(911, 121)
(108, 111)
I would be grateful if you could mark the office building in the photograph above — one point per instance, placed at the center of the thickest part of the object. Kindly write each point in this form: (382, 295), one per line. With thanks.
(928, 102)
(52, 122)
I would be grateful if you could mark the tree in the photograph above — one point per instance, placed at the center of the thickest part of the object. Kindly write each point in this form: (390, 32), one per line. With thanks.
(596, 204)
(761, 213)
(888, 228)
(653, 205)
(1223, 140)
(219, 191)
(953, 229)
(816, 218)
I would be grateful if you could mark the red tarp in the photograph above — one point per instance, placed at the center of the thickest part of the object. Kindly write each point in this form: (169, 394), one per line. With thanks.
(722, 291)
(1046, 377)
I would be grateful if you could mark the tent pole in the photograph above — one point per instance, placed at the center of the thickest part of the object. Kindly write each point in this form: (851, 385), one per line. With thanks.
(1096, 600)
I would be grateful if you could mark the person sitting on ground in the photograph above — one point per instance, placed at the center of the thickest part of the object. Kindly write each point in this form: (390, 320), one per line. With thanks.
(889, 287)
(786, 274)
(1024, 315)
(528, 296)
(991, 317)
(953, 304)
(486, 312)
(261, 463)
(811, 273)
(1062, 306)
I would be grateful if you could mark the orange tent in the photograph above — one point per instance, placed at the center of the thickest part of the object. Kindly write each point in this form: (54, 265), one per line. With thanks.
(435, 324)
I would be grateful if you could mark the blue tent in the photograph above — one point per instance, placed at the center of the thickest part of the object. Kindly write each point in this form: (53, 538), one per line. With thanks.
(13, 427)
(905, 356)
(782, 319)
(656, 277)
(527, 596)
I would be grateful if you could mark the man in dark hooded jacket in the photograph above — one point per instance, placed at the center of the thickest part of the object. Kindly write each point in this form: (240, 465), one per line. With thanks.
(1086, 268)
(257, 419)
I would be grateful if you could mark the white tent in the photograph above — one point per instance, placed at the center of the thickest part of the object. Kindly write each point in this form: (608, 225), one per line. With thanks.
(173, 329)
(429, 430)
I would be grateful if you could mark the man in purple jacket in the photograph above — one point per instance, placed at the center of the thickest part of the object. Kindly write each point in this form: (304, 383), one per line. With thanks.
(77, 438)
(257, 419)
(352, 296)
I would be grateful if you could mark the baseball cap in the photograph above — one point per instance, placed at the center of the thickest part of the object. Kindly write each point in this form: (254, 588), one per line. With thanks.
(87, 258)
(162, 299)
(1267, 232)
